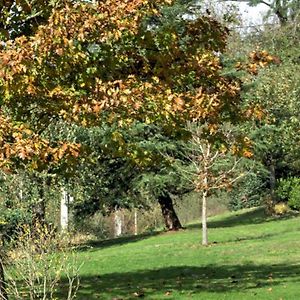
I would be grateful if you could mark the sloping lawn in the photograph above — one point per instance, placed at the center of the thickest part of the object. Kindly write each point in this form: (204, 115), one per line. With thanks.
(250, 257)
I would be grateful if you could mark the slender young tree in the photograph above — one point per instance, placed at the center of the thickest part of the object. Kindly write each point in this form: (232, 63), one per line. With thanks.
(213, 166)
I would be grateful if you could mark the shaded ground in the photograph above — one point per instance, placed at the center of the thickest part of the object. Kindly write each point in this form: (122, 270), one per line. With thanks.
(253, 216)
(188, 280)
(101, 244)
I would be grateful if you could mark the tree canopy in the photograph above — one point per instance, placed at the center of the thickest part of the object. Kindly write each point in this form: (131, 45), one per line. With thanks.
(118, 62)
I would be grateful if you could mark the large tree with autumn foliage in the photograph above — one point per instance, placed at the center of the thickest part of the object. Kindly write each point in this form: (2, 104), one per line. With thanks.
(118, 62)
(114, 63)
(154, 62)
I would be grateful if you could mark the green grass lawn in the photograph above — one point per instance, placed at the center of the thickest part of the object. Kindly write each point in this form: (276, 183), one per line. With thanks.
(250, 257)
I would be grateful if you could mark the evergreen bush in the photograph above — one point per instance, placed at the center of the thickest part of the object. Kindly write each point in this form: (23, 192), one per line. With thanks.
(288, 190)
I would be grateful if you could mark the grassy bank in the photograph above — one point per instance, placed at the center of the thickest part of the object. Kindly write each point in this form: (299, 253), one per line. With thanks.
(250, 256)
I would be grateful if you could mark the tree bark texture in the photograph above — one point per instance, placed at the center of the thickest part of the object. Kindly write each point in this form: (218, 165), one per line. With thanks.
(170, 217)
(271, 200)
(118, 223)
(39, 211)
(64, 211)
(272, 179)
(39, 208)
(204, 218)
(204, 202)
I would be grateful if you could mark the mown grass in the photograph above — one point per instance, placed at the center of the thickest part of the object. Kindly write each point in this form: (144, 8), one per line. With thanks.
(250, 256)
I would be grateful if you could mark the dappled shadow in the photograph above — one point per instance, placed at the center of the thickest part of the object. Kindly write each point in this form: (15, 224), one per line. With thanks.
(186, 280)
(254, 216)
(101, 244)
(245, 238)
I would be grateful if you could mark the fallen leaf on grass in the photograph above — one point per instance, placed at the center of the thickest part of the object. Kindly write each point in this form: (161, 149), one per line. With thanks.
(139, 294)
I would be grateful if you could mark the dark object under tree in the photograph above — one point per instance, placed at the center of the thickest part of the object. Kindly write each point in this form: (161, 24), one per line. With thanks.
(170, 217)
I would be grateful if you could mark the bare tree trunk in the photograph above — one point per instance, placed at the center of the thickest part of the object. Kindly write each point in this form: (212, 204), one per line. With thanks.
(64, 213)
(39, 211)
(118, 223)
(272, 179)
(270, 201)
(39, 208)
(204, 218)
(135, 222)
(170, 217)
(204, 203)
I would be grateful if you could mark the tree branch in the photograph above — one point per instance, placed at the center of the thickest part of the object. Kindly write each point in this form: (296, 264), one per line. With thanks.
(247, 1)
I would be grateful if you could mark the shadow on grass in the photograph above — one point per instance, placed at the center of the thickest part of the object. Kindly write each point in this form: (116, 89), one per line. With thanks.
(101, 244)
(254, 216)
(186, 280)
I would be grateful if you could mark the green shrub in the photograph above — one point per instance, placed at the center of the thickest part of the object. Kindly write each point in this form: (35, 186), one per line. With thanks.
(249, 192)
(288, 190)
(10, 219)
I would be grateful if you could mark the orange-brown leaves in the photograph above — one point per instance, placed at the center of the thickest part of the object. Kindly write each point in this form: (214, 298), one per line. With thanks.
(256, 112)
(55, 68)
(263, 58)
(17, 142)
(258, 59)
(242, 147)
(103, 21)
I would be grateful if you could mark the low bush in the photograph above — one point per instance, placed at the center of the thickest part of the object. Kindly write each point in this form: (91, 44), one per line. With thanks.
(37, 263)
(288, 190)
(248, 192)
(281, 208)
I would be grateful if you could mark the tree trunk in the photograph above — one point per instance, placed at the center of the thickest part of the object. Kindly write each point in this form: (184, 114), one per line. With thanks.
(204, 218)
(39, 208)
(272, 179)
(118, 223)
(170, 217)
(135, 222)
(39, 211)
(281, 11)
(270, 201)
(64, 211)
(204, 201)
